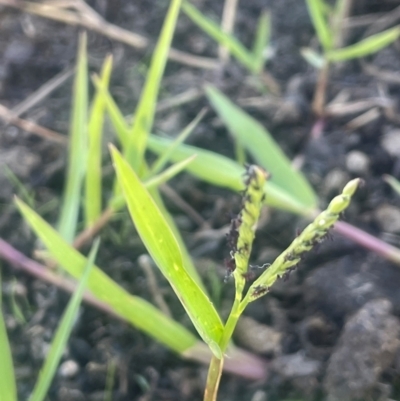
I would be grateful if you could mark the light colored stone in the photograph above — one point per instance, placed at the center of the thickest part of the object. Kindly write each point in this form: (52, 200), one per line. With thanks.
(68, 369)
(260, 338)
(357, 162)
(388, 218)
(391, 142)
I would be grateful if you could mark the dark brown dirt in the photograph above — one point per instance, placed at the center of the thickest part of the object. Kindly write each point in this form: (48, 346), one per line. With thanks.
(338, 292)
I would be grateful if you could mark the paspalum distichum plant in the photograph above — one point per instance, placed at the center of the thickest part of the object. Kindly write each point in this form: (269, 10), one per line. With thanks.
(162, 246)
(136, 187)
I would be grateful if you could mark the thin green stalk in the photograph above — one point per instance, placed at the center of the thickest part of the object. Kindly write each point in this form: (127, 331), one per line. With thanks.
(240, 238)
(8, 389)
(63, 332)
(77, 152)
(213, 378)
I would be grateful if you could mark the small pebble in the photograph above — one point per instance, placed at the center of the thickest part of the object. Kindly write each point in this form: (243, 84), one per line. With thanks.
(391, 142)
(388, 218)
(68, 369)
(259, 395)
(357, 162)
(260, 338)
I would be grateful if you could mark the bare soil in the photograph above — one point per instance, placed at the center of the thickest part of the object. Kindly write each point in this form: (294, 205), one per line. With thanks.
(336, 317)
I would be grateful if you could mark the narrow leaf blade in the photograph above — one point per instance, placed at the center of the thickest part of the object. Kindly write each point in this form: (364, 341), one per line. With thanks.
(93, 192)
(122, 131)
(221, 171)
(77, 148)
(261, 40)
(163, 248)
(212, 29)
(370, 45)
(8, 390)
(266, 152)
(63, 332)
(133, 309)
(320, 22)
(145, 111)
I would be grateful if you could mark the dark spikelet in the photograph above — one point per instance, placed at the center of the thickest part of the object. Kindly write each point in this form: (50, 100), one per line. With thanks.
(311, 236)
(242, 228)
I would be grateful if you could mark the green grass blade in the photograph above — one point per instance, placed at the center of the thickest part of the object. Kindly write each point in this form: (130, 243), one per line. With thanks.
(63, 332)
(117, 118)
(168, 173)
(77, 148)
(164, 249)
(261, 40)
(367, 46)
(122, 131)
(134, 310)
(163, 159)
(187, 259)
(8, 390)
(212, 29)
(266, 152)
(145, 111)
(221, 171)
(93, 192)
(22, 190)
(338, 15)
(316, 10)
(209, 166)
(393, 182)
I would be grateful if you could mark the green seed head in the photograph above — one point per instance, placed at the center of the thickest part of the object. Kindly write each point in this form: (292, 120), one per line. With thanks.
(313, 234)
(244, 226)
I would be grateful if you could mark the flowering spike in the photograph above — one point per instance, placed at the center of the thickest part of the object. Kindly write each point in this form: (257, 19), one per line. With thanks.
(243, 228)
(306, 240)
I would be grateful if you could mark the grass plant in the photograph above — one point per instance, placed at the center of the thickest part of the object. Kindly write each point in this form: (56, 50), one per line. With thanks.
(252, 59)
(327, 21)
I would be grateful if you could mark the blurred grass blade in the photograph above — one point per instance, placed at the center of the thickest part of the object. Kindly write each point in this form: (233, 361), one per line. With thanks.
(145, 111)
(339, 13)
(93, 192)
(134, 310)
(212, 29)
(266, 152)
(164, 249)
(117, 118)
(261, 40)
(22, 189)
(187, 259)
(312, 57)
(223, 172)
(8, 390)
(122, 131)
(316, 9)
(395, 184)
(169, 173)
(367, 46)
(208, 166)
(63, 332)
(164, 158)
(77, 148)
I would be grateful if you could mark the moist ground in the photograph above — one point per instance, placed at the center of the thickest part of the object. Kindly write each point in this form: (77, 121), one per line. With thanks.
(337, 293)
